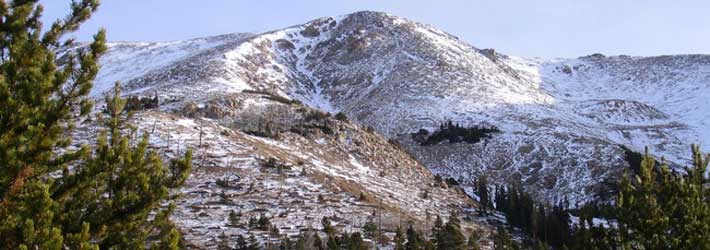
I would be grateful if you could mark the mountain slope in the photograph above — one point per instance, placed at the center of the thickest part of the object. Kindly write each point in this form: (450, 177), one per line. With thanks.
(563, 121)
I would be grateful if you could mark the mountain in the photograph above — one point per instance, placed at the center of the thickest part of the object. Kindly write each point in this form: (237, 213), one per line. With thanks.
(565, 124)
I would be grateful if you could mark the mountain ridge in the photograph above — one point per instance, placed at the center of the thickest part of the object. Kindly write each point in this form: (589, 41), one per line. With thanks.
(563, 120)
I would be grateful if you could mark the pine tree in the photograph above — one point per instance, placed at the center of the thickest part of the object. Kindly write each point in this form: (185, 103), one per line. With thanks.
(473, 240)
(223, 242)
(234, 218)
(253, 243)
(661, 210)
(438, 226)
(502, 240)
(399, 239)
(317, 242)
(242, 243)
(97, 200)
(483, 194)
(332, 243)
(356, 242)
(414, 241)
(451, 237)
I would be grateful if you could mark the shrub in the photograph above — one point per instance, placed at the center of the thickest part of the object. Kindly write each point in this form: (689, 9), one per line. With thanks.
(454, 133)
(340, 116)
(141, 103)
(369, 229)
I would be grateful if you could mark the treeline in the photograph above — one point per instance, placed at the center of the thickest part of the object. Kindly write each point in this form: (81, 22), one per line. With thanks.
(443, 236)
(454, 133)
(544, 224)
(655, 208)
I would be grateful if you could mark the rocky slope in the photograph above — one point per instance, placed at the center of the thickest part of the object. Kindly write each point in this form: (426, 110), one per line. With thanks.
(562, 121)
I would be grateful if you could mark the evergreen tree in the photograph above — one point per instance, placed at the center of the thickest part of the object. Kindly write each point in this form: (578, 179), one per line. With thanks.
(242, 243)
(223, 242)
(317, 242)
(234, 218)
(253, 243)
(399, 239)
(370, 229)
(327, 227)
(438, 226)
(356, 242)
(451, 238)
(661, 210)
(302, 242)
(483, 194)
(414, 241)
(102, 198)
(332, 243)
(473, 240)
(501, 199)
(502, 240)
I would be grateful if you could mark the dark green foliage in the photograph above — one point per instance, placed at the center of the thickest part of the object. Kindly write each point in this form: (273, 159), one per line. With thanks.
(263, 223)
(253, 244)
(450, 236)
(451, 182)
(369, 229)
(502, 241)
(317, 242)
(327, 228)
(234, 218)
(473, 240)
(660, 210)
(634, 159)
(483, 194)
(414, 240)
(536, 220)
(454, 133)
(316, 116)
(656, 209)
(340, 116)
(135, 103)
(356, 242)
(305, 129)
(264, 129)
(223, 242)
(332, 243)
(272, 163)
(242, 243)
(101, 197)
(399, 239)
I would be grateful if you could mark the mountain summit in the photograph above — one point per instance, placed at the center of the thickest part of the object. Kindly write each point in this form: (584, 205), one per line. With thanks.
(565, 125)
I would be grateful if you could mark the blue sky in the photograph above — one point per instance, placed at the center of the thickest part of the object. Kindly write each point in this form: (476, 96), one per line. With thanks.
(555, 28)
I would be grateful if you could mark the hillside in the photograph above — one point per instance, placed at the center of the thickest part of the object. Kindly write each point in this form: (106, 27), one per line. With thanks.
(562, 122)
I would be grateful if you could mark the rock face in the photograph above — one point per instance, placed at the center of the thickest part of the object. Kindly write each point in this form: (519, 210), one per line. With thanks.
(563, 121)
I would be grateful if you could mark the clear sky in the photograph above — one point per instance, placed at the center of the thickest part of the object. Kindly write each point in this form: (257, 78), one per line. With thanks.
(554, 28)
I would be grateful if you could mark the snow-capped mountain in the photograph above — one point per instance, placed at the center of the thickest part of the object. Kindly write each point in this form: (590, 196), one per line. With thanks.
(563, 122)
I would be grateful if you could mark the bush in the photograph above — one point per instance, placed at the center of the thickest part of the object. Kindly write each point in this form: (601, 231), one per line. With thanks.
(134, 103)
(369, 229)
(454, 133)
(451, 182)
(272, 163)
(340, 116)
(266, 130)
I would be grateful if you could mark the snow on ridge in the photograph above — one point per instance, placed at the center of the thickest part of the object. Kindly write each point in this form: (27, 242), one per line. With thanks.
(127, 60)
